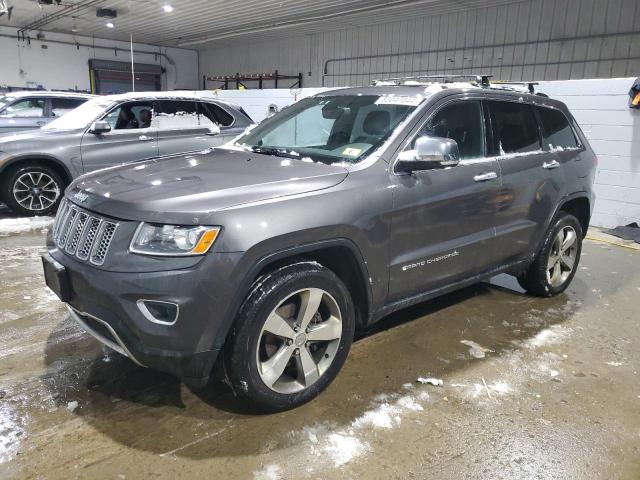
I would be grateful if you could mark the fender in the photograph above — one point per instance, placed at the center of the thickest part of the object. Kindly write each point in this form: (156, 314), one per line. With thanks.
(561, 203)
(35, 158)
(271, 258)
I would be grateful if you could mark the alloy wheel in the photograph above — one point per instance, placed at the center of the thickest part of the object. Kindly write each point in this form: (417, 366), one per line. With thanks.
(299, 340)
(562, 257)
(36, 191)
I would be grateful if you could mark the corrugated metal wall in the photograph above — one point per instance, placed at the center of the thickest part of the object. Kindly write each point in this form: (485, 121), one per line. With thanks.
(535, 39)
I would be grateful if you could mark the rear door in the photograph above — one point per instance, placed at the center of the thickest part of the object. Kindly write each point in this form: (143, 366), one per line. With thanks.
(130, 138)
(182, 128)
(443, 225)
(531, 185)
(23, 114)
(559, 137)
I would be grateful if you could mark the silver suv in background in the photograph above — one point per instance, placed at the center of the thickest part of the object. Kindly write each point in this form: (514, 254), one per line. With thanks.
(31, 110)
(36, 166)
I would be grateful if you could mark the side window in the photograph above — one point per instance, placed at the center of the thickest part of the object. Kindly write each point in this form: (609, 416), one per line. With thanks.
(60, 106)
(557, 132)
(132, 115)
(27, 107)
(514, 128)
(176, 114)
(462, 122)
(214, 113)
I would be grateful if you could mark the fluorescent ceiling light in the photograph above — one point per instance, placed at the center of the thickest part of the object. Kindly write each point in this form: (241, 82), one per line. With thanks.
(110, 25)
(167, 8)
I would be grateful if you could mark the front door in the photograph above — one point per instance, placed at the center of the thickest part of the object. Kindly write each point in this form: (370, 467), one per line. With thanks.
(132, 138)
(443, 227)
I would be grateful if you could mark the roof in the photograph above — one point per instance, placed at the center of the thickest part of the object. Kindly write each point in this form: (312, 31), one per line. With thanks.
(47, 93)
(176, 94)
(430, 88)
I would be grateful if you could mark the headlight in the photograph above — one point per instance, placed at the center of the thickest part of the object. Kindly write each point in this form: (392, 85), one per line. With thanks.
(173, 240)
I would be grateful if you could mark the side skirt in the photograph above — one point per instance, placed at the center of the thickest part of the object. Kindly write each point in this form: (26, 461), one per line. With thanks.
(423, 297)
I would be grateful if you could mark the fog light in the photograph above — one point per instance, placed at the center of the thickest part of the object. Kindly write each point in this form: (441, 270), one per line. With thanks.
(156, 311)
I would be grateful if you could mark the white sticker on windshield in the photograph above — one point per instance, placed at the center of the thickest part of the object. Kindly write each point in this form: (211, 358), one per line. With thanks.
(413, 101)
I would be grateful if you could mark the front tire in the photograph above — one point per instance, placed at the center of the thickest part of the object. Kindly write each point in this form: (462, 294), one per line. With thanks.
(291, 337)
(33, 189)
(557, 262)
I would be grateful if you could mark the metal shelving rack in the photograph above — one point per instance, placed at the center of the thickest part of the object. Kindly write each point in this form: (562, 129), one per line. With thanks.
(240, 79)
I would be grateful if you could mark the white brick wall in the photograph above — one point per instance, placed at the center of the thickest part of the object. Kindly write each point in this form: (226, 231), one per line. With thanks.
(600, 107)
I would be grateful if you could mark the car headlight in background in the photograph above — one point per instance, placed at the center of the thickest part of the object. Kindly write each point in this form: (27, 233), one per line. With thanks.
(173, 240)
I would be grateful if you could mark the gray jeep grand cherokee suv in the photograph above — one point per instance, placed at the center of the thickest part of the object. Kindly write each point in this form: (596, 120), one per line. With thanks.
(268, 253)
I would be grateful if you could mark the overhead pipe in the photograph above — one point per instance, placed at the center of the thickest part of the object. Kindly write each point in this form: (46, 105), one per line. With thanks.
(99, 47)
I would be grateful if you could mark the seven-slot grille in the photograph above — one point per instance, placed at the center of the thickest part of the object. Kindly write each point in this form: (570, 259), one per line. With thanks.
(82, 234)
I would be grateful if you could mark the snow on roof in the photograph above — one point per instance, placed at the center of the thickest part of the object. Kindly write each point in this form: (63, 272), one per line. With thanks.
(46, 93)
(190, 94)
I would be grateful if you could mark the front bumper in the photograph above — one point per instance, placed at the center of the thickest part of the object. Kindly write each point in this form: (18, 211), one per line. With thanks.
(105, 304)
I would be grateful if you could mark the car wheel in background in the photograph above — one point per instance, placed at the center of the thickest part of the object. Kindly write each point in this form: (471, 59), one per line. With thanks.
(32, 189)
(291, 337)
(557, 262)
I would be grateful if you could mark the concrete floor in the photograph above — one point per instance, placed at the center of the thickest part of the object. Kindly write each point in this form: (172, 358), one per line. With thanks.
(533, 388)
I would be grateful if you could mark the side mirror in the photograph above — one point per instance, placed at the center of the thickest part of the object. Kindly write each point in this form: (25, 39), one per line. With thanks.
(429, 153)
(100, 127)
(213, 130)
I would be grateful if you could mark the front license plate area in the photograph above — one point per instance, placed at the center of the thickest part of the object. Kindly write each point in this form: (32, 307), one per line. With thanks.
(56, 278)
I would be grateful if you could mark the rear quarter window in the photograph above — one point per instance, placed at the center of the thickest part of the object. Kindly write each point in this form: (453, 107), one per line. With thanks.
(217, 114)
(556, 129)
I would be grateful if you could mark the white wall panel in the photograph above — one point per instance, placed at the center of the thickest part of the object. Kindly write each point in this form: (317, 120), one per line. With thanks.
(613, 129)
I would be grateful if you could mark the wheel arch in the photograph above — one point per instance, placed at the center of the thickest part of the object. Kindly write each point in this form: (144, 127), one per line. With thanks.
(340, 255)
(580, 207)
(47, 160)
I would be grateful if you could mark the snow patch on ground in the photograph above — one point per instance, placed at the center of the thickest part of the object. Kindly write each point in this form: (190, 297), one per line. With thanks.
(11, 432)
(476, 350)
(22, 225)
(548, 336)
(269, 472)
(329, 445)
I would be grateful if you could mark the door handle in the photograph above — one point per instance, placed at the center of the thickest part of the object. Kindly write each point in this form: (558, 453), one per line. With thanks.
(40, 123)
(483, 177)
(144, 138)
(550, 165)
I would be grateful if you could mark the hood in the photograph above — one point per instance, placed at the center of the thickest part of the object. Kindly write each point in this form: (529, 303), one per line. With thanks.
(188, 188)
(17, 142)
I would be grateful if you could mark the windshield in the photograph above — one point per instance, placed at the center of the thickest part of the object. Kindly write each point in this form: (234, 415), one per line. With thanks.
(4, 101)
(330, 129)
(80, 117)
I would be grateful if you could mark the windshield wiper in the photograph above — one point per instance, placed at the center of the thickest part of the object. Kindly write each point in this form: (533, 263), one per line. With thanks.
(277, 152)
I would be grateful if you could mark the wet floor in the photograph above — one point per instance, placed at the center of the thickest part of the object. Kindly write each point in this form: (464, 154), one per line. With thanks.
(532, 388)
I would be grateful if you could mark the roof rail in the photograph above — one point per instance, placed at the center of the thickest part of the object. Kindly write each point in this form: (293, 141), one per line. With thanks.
(481, 80)
(530, 85)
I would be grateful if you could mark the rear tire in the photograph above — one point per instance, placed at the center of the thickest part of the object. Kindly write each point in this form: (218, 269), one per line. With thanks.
(557, 262)
(33, 189)
(291, 337)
